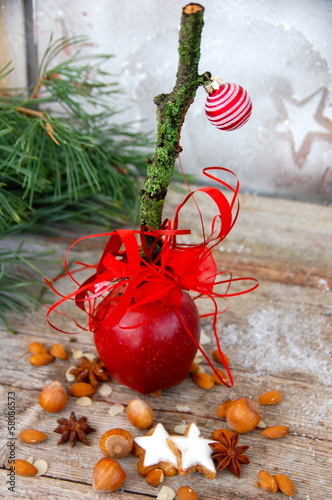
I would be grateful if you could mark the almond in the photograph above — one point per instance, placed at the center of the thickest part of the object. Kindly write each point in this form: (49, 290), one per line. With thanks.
(267, 481)
(203, 380)
(222, 410)
(105, 390)
(217, 357)
(285, 484)
(275, 432)
(44, 358)
(83, 401)
(180, 428)
(261, 425)
(217, 378)
(58, 351)
(194, 367)
(37, 348)
(186, 493)
(80, 389)
(166, 493)
(24, 468)
(30, 436)
(70, 376)
(155, 477)
(270, 398)
(158, 393)
(217, 432)
(41, 466)
(183, 408)
(116, 409)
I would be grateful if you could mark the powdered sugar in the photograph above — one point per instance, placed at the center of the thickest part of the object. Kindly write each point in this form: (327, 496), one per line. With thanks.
(156, 447)
(194, 449)
(274, 343)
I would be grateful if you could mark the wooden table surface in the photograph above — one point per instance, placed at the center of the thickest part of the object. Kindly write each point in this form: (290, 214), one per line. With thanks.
(277, 337)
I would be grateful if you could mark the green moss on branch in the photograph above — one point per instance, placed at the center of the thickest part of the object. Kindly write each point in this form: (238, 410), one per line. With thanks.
(171, 110)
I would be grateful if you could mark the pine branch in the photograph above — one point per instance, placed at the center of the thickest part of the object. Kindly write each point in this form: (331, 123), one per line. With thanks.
(58, 143)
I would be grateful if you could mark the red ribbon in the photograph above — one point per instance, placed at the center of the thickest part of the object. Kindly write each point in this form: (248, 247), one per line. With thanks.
(148, 265)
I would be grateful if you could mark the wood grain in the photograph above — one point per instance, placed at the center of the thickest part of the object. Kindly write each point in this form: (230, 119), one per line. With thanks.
(278, 337)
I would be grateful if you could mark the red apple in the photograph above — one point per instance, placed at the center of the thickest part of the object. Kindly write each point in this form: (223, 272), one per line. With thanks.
(149, 349)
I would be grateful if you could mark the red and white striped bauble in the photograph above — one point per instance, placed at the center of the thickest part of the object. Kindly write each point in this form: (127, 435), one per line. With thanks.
(228, 107)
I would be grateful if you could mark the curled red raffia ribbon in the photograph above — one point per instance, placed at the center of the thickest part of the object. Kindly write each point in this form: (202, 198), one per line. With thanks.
(148, 265)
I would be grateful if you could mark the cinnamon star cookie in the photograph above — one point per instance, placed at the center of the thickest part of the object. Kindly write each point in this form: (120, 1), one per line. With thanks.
(155, 453)
(193, 452)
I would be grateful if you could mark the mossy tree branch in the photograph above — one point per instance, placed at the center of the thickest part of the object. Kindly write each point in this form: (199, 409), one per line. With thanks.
(171, 110)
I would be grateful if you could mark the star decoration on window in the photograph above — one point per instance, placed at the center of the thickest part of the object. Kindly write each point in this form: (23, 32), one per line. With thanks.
(302, 122)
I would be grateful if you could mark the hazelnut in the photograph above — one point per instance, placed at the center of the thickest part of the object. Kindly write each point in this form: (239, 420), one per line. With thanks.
(140, 413)
(116, 443)
(53, 397)
(108, 475)
(242, 415)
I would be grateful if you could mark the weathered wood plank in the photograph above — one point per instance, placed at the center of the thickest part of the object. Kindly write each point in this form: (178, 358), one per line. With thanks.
(301, 455)
(278, 337)
(273, 239)
(53, 488)
(274, 330)
(23, 376)
(305, 409)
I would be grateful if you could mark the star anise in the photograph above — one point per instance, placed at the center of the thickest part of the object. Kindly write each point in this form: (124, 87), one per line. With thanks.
(227, 453)
(90, 371)
(74, 429)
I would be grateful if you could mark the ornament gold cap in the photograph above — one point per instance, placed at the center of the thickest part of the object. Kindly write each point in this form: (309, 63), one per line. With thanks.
(213, 84)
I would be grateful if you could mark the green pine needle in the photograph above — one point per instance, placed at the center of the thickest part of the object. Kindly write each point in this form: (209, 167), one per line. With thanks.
(59, 146)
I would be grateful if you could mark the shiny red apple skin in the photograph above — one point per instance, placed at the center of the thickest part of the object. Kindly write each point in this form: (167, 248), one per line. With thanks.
(152, 356)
